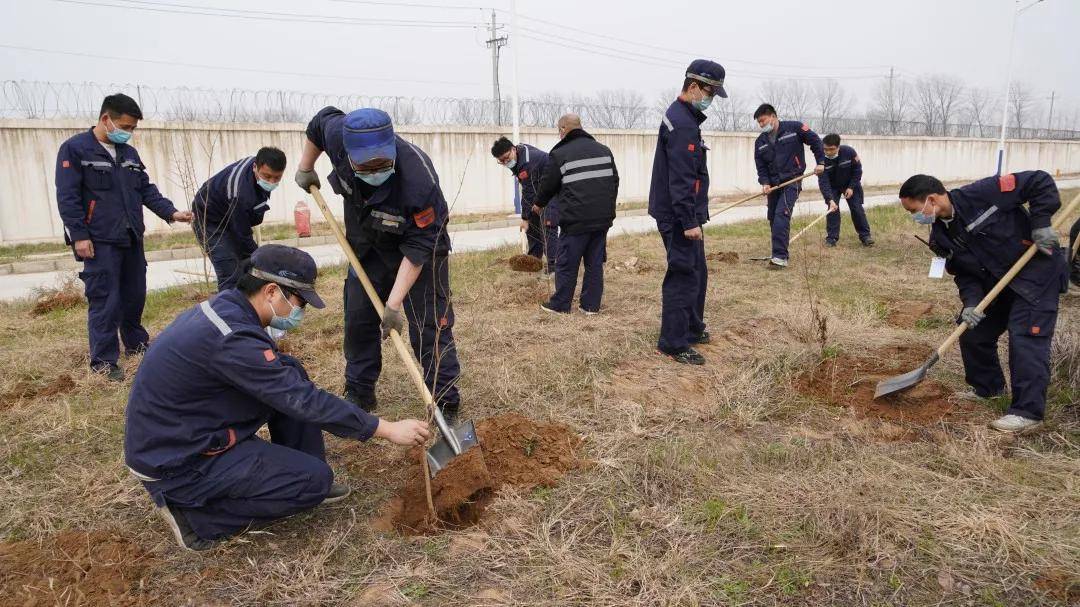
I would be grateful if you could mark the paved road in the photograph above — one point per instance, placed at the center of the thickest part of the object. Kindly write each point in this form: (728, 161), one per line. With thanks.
(162, 274)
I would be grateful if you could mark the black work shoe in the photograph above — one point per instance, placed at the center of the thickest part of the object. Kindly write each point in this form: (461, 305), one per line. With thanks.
(546, 306)
(701, 339)
(688, 356)
(830, 242)
(337, 493)
(182, 531)
(365, 399)
(111, 372)
(869, 242)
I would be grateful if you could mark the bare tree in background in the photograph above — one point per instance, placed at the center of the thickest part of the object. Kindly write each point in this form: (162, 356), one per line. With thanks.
(892, 103)
(979, 111)
(799, 99)
(549, 106)
(946, 92)
(1021, 106)
(621, 108)
(831, 102)
(775, 93)
(926, 107)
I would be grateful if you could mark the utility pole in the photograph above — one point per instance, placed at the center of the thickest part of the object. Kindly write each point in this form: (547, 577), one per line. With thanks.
(1050, 115)
(495, 43)
(892, 103)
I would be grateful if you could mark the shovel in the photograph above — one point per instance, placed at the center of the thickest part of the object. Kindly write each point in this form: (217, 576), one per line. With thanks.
(452, 442)
(911, 378)
(753, 196)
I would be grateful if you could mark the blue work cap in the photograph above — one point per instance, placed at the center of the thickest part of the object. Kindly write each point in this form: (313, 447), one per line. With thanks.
(288, 267)
(368, 133)
(708, 72)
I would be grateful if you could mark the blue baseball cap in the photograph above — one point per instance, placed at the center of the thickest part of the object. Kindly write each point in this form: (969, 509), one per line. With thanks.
(368, 133)
(289, 267)
(708, 72)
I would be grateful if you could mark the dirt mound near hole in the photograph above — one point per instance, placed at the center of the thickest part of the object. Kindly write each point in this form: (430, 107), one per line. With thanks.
(904, 314)
(633, 264)
(27, 389)
(526, 263)
(723, 257)
(75, 568)
(518, 452)
(850, 381)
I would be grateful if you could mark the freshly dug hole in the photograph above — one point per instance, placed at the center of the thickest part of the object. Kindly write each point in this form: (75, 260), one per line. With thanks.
(526, 263)
(518, 452)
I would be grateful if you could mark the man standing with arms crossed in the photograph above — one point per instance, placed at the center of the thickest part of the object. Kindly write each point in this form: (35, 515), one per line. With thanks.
(679, 202)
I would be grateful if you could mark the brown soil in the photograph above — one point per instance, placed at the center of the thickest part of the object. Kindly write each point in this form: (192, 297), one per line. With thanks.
(514, 452)
(633, 264)
(57, 300)
(723, 257)
(74, 568)
(850, 381)
(526, 263)
(27, 389)
(904, 314)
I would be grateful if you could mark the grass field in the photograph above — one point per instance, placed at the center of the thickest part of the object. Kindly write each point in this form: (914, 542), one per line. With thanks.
(765, 477)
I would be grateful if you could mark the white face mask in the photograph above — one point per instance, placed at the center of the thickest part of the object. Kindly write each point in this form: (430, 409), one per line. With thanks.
(767, 128)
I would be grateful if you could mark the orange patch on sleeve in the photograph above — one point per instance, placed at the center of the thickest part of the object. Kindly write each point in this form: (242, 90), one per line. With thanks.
(1007, 183)
(857, 161)
(690, 147)
(1035, 330)
(424, 218)
(523, 175)
(805, 127)
(269, 355)
(66, 164)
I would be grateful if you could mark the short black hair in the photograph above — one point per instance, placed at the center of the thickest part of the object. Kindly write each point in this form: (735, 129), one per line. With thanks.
(501, 146)
(831, 140)
(918, 187)
(764, 110)
(118, 104)
(271, 157)
(686, 84)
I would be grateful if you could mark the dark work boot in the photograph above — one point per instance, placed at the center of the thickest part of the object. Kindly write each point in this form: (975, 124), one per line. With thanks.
(182, 531)
(688, 356)
(704, 338)
(361, 397)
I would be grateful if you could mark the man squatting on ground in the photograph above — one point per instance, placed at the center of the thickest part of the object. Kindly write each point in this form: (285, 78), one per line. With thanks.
(229, 205)
(779, 156)
(210, 380)
(843, 177)
(527, 164)
(679, 202)
(395, 221)
(581, 173)
(101, 188)
(981, 229)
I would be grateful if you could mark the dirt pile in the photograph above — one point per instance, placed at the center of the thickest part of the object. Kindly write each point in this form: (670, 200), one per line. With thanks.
(634, 265)
(518, 452)
(850, 381)
(526, 263)
(27, 389)
(723, 257)
(904, 314)
(62, 299)
(74, 568)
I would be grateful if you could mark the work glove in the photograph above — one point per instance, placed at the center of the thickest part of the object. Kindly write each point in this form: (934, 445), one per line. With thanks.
(971, 316)
(1046, 239)
(306, 179)
(392, 319)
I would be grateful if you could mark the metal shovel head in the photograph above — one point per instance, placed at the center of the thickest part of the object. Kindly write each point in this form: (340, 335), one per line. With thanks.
(899, 383)
(766, 258)
(440, 454)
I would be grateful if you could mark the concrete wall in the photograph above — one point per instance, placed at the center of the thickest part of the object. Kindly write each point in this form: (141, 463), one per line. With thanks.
(181, 156)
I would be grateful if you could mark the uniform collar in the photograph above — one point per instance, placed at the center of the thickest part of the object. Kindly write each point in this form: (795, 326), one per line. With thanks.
(574, 134)
(694, 112)
(240, 301)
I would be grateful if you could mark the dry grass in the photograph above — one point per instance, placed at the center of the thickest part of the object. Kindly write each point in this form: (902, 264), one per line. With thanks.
(717, 485)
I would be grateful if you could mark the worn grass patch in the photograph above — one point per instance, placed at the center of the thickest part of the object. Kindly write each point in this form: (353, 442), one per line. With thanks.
(762, 478)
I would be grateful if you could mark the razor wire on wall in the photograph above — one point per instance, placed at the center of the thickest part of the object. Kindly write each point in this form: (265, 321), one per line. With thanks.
(616, 109)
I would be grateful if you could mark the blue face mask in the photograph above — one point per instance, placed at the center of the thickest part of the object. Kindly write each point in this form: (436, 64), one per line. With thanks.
(767, 128)
(703, 103)
(375, 179)
(118, 135)
(266, 185)
(286, 323)
(922, 218)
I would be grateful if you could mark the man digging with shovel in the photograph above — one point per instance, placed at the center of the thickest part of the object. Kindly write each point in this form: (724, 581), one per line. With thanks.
(981, 230)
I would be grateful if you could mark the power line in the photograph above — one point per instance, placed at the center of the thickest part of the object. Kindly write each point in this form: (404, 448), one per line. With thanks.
(414, 5)
(189, 9)
(231, 69)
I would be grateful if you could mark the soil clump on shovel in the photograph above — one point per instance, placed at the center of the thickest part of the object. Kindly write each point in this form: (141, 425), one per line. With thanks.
(514, 451)
(526, 263)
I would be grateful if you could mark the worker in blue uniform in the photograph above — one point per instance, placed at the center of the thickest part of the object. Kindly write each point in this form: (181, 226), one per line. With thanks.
(779, 156)
(101, 188)
(206, 386)
(229, 205)
(679, 202)
(395, 222)
(982, 229)
(527, 164)
(1074, 245)
(843, 178)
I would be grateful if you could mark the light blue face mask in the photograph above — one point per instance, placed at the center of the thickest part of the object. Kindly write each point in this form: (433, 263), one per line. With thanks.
(767, 128)
(290, 322)
(266, 185)
(118, 135)
(922, 218)
(375, 179)
(703, 103)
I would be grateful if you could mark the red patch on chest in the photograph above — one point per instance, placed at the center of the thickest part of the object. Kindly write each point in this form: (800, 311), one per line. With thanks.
(66, 164)
(691, 147)
(269, 355)
(523, 175)
(1007, 183)
(1035, 330)
(424, 218)
(805, 127)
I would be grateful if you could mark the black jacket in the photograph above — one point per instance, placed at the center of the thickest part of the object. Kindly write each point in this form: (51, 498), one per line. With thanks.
(582, 173)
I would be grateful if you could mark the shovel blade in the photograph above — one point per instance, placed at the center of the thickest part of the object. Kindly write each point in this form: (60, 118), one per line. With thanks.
(900, 383)
(440, 454)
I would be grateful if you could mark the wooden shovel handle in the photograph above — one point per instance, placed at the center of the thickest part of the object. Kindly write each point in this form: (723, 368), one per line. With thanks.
(1006, 279)
(809, 225)
(753, 196)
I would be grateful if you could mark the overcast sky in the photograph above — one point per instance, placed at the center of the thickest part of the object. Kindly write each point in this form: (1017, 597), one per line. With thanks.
(411, 48)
